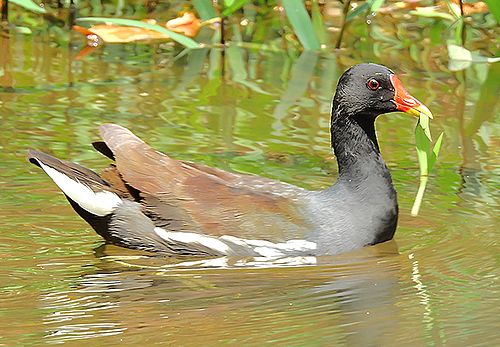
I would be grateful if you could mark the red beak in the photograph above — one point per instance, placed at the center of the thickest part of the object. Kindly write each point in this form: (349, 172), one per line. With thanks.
(405, 102)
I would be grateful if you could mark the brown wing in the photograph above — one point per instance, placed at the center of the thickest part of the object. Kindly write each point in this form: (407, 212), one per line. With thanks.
(184, 196)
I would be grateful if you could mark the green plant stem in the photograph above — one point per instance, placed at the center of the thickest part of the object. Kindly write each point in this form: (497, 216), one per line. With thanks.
(72, 14)
(344, 23)
(420, 195)
(222, 30)
(463, 22)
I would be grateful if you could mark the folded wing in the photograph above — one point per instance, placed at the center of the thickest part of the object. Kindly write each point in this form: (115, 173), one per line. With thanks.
(183, 196)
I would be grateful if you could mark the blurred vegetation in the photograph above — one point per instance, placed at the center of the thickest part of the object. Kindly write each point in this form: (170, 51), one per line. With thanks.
(275, 25)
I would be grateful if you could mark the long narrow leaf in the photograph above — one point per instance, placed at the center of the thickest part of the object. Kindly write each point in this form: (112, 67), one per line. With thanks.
(424, 124)
(205, 9)
(435, 152)
(183, 40)
(29, 5)
(235, 5)
(317, 21)
(376, 5)
(426, 159)
(358, 10)
(431, 12)
(301, 23)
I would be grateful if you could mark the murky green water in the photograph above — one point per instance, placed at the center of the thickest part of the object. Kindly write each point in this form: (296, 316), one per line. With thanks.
(267, 114)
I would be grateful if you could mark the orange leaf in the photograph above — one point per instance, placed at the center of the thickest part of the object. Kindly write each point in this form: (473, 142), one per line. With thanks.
(122, 34)
(187, 25)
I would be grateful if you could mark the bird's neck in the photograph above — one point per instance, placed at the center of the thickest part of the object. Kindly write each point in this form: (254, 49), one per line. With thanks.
(363, 174)
(355, 145)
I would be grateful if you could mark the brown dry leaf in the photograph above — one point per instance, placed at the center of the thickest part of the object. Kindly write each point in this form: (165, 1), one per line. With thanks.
(472, 8)
(187, 25)
(122, 34)
(400, 5)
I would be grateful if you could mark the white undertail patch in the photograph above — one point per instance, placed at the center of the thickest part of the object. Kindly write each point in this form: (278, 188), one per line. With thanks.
(98, 203)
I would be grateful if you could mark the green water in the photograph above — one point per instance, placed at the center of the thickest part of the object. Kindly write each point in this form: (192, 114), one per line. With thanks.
(266, 113)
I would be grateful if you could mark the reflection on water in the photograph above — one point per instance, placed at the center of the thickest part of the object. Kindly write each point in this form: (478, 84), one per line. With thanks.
(265, 113)
(348, 299)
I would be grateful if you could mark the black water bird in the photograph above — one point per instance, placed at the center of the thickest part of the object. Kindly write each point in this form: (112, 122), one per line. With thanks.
(146, 200)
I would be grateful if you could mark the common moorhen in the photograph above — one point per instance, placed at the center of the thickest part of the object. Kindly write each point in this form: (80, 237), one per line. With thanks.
(149, 201)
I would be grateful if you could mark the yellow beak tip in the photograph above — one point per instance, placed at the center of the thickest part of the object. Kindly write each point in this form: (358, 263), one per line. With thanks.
(422, 109)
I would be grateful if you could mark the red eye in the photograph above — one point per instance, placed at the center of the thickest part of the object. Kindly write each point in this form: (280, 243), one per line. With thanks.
(373, 84)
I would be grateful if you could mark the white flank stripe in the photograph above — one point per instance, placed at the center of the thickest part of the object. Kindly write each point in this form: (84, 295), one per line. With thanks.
(270, 249)
(100, 203)
(268, 252)
(187, 238)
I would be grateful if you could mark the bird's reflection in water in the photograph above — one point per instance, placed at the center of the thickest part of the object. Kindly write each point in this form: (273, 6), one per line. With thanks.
(350, 298)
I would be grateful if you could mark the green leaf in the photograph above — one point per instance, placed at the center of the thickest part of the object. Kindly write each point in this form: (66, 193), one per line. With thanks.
(205, 9)
(432, 13)
(29, 5)
(358, 10)
(494, 6)
(424, 124)
(317, 21)
(234, 6)
(461, 58)
(376, 5)
(435, 152)
(301, 23)
(426, 160)
(183, 40)
(23, 30)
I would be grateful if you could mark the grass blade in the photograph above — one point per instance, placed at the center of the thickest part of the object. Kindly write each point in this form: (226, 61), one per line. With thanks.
(317, 22)
(376, 5)
(29, 5)
(301, 23)
(235, 5)
(183, 40)
(358, 10)
(205, 9)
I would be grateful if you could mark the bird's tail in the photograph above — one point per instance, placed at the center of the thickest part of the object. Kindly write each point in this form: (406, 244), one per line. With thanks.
(90, 196)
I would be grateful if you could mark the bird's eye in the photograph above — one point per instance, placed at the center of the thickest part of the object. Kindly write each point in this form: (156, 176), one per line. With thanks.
(373, 84)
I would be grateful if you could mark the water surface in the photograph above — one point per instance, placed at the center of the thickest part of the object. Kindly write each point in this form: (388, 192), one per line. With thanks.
(267, 113)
